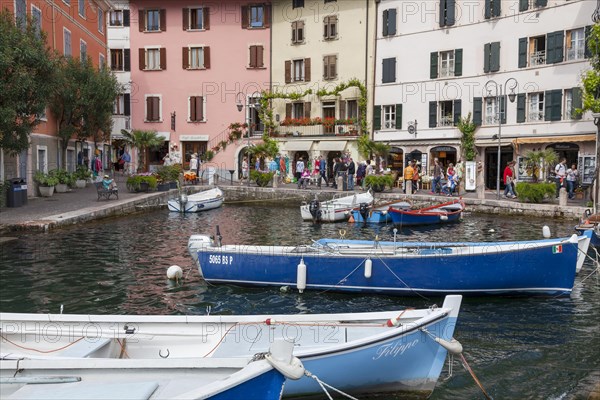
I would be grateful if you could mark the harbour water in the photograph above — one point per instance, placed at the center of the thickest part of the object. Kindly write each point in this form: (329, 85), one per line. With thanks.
(525, 348)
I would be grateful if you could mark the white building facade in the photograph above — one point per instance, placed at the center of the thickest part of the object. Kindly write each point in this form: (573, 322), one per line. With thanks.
(438, 61)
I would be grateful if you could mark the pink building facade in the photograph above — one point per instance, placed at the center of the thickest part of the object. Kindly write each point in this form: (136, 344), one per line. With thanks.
(190, 66)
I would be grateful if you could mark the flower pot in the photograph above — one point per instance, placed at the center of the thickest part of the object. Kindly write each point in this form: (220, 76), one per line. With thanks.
(143, 187)
(61, 188)
(163, 187)
(378, 188)
(173, 185)
(80, 183)
(46, 191)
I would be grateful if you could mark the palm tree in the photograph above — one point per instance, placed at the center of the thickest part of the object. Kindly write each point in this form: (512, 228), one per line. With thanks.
(142, 140)
(537, 161)
(368, 147)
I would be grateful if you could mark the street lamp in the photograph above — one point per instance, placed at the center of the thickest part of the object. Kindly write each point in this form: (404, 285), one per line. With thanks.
(511, 97)
(240, 106)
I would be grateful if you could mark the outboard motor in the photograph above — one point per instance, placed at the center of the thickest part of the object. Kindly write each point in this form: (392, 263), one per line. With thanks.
(182, 202)
(314, 207)
(363, 210)
(218, 237)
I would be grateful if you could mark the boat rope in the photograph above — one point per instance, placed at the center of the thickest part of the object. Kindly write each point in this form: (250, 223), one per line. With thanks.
(343, 279)
(40, 351)
(220, 340)
(123, 351)
(397, 277)
(468, 368)
(323, 384)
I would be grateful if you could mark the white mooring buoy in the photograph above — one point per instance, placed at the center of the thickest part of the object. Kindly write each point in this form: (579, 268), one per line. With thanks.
(174, 272)
(546, 231)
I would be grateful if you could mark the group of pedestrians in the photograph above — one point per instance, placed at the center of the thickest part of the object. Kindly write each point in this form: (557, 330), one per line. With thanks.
(452, 174)
(569, 176)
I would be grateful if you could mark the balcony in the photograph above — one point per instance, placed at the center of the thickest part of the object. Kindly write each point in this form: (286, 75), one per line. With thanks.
(318, 130)
(537, 58)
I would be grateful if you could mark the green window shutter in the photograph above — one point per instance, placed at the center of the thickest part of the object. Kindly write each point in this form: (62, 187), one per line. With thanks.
(376, 118)
(550, 48)
(442, 13)
(433, 66)
(486, 57)
(477, 107)
(521, 107)
(541, 3)
(391, 25)
(457, 110)
(556, 105)
(450, 12)
(577, 102)
(495, 57)
(588, 32)
(385, 22)
(458, 62)
(496, 8)
(522, 52)
(523, 5)
(557, 47)
(503, 109)
(548, 95)
(432, 114)
(488, 9)
(398, 116)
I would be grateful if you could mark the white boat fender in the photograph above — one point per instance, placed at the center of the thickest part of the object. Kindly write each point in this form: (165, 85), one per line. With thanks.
(452, 346)
(174, 272)
(443, 218)
(368, 268)
(301, 276)
(281, 358)
(546, 232)
(574, 239)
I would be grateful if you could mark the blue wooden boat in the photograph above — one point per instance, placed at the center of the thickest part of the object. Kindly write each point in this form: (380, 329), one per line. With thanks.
(400, 350)
(437, 214)
(590, 222)
(377, 214)
(529, 267)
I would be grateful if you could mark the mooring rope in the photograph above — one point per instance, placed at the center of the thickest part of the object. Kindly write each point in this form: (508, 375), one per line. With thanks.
(468, 368)
(397, 277)
(323, 384)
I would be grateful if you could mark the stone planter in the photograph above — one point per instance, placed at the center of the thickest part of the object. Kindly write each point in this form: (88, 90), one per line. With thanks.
(46, 191)
(143, 187)
(61, 188)
(80, 183)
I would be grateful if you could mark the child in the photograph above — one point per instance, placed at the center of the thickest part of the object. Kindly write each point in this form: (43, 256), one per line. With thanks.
(450, 185)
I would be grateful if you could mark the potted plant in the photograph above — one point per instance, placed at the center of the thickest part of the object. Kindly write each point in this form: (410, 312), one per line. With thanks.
(64, 180)
(174, 172)
(163, 175)
(379, 182)
(82, 175)
(45, 182)
(141, 183)
(262, 178)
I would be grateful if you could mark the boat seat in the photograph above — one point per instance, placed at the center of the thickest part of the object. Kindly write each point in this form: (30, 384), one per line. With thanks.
(86, 391)
(84, 348)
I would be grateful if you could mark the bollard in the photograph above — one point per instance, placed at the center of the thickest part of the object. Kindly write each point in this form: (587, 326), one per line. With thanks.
(340, 183)
(562, 197)
(275, 181)
(408, 185)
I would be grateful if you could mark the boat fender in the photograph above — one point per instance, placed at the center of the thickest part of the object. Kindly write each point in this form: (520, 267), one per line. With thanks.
(443, 218)
(452, 346)
(546, 232)
(574, 239)
(351, 219)
(384, 212)
(394, 321)
(301, 276)
(281, 358)
(174, 272)
(368, 268)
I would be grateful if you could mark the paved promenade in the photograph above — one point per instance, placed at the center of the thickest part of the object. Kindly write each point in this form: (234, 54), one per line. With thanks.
(80, 205)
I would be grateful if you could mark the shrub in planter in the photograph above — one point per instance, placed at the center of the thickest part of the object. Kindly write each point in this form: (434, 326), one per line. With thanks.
(139, 183)
(65, 179)
(535, 192)
(262, 178)
(44, 179)
(379, 182)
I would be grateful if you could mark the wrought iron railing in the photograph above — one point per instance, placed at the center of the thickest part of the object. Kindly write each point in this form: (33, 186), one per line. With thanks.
(446, 121)
(537, 58)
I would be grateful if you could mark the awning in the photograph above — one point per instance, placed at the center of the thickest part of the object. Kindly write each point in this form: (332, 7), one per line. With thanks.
(298, 145)
(556, 139)
(165, 135)
(332, 145)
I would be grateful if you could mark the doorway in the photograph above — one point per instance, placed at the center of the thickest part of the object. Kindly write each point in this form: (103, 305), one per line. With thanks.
(491, 162)
(329, 113)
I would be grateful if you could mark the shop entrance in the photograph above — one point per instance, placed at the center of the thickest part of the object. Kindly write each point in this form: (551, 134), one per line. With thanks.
(570, 151)
(445, 154)
(491, 162)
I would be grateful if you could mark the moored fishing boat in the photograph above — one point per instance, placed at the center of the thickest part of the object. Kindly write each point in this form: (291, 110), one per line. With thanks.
(591, 222)
(336, 209)
(377, 214)
(404, 349)
(202, 201)
(528, 267)
(437, 214)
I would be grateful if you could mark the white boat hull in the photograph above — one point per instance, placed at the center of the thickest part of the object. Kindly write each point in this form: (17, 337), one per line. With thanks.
(337, 209)
(203, 201)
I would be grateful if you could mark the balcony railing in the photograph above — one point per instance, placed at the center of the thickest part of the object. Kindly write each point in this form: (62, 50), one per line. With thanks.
(536, 116)
(446, 71)
(575, 53)
(537, 58)
(446, 121)
(318, 130)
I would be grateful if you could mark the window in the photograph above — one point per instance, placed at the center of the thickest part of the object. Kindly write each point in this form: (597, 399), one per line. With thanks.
(389, 22)
(256, 16)
(576, 44)
(101, 61)
(298, 72)
(491, 111)
(100, 20)
(543, 49)
(329, 67)
(67, 42)
(119, 106)
(445, 64)
(298, 32)
(42, 159)
(82, 8)
(491, 57)
(525, 4)
(83, 50)
(537, 51)
(116, 18)
(389, 117)
(153, 111)
(153, 59)
(330, 27)
(196, 57)
(351, 110)
(448, 113)
(195, 19)
(256, 56)
(492, 8)
(298, 110)
(196, 109)
(446, 117)
(447, 12)
(388, 70)
(153, 19)
(573, 102)
(120, 60)
(297, 3)
(536, 107)
(21, 13)
(36, 17)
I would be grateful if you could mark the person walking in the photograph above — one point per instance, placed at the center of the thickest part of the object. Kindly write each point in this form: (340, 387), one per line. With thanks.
(351, 172)
(408, 175)
(561, 173)
(508, 178)
(360, 173)
(572, 176)
(125, 160)
(299, 169)
(336, 170)
(244, 169)
(323, 171)
(436, 185)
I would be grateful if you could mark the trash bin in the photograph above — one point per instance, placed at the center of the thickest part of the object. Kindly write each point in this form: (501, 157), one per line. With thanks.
(16, 193)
